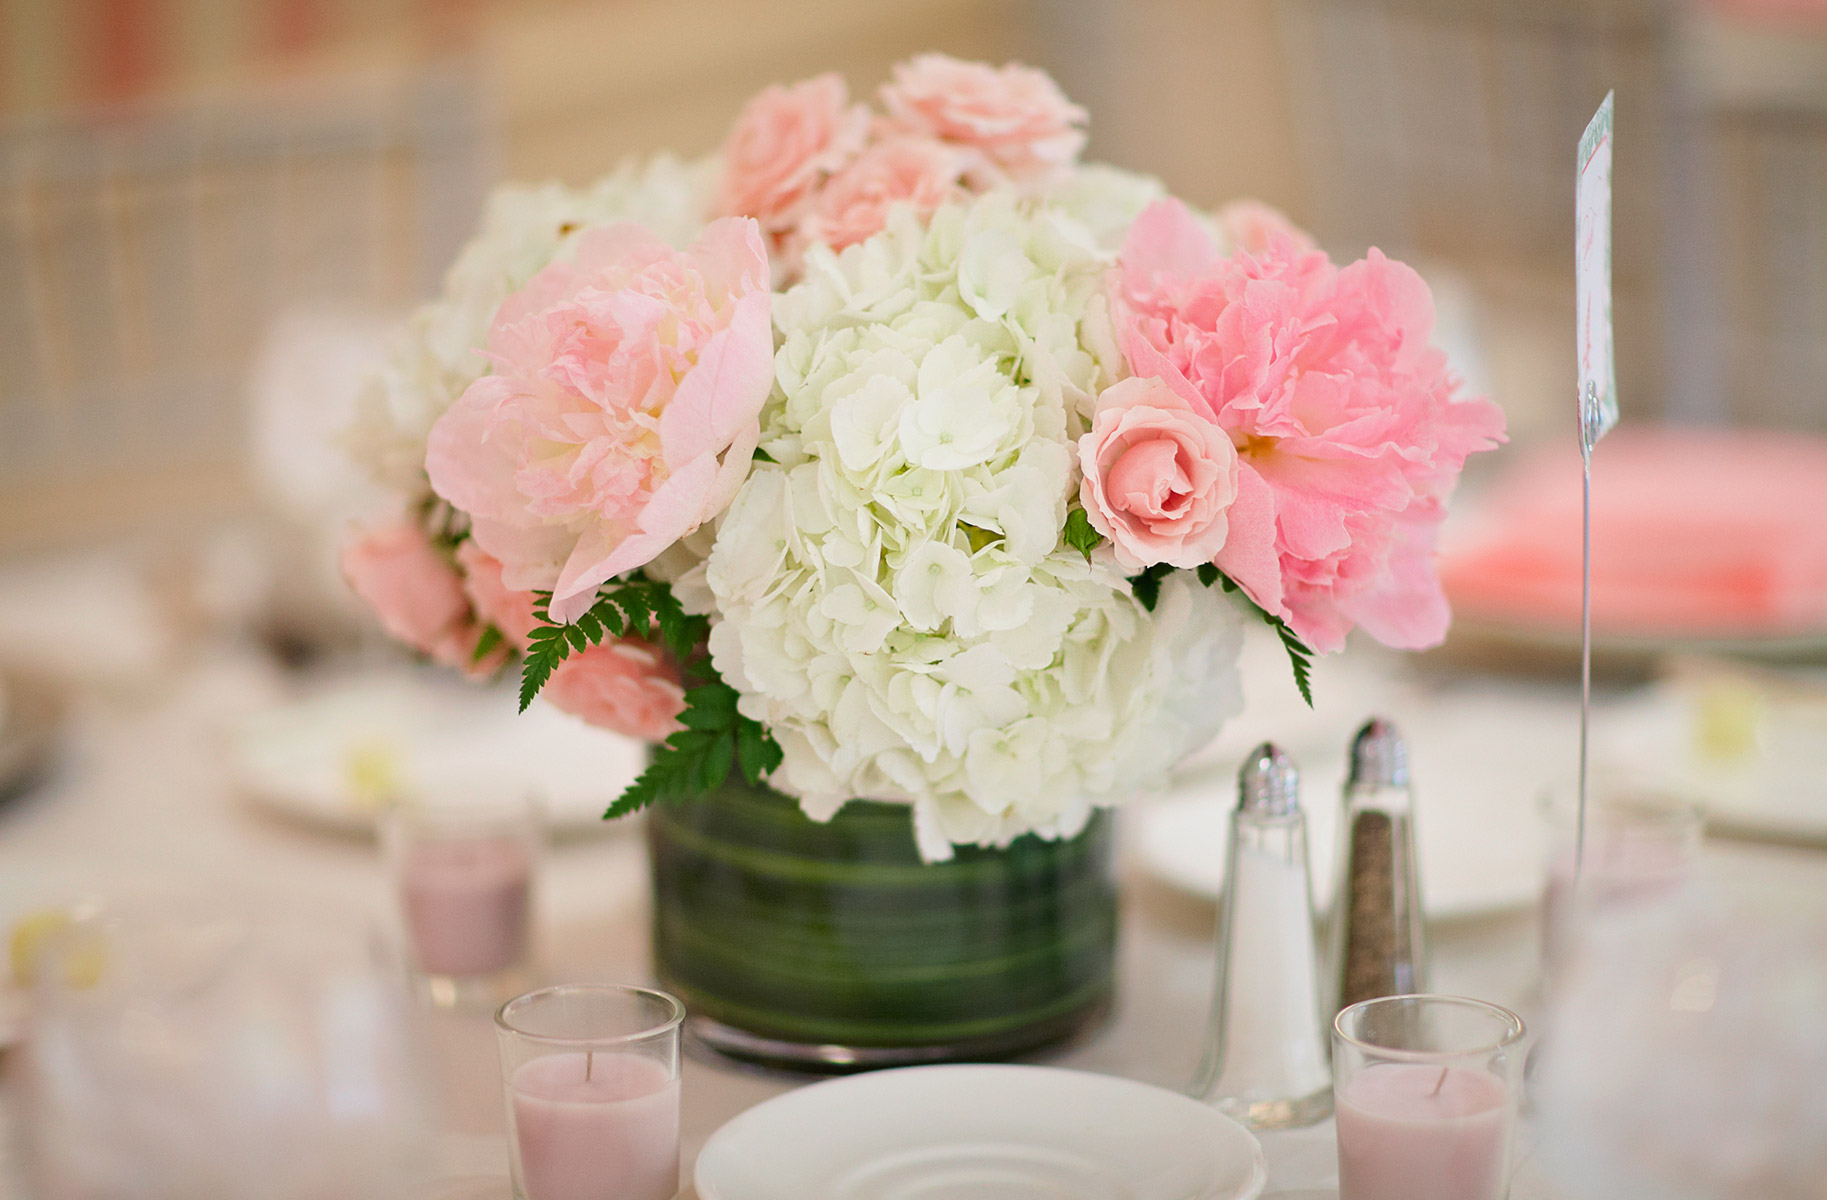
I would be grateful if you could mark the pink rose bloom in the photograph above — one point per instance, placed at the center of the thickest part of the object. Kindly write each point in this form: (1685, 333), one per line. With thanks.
(854, 205)
(1159, 475)
(1015, 119)
(495, 603)
(787, 140)
(416, 593)
(627, 686)
(1252, 227)
(622, 410)
(1348, 428)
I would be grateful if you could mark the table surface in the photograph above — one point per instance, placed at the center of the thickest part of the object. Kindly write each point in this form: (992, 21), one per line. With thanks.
(144, 798)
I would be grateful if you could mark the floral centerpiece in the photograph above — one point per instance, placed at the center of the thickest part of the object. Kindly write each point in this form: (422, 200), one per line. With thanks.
(898, 463)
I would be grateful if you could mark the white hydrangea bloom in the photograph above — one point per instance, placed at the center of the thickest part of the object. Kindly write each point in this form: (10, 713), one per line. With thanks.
(524, 227)
(1105, 200)
(892, 595)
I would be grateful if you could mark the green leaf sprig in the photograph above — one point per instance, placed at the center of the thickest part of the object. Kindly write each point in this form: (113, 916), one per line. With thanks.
(693, 760)
(1147, 589)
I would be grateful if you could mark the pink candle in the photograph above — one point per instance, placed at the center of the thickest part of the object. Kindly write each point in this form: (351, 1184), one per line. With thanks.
(1408, 1131)
(466, 903)
(595, 1127)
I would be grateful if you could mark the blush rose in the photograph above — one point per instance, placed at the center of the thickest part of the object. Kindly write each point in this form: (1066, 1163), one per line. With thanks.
(417, 595)
(626, 685)
(1159, 477)
(1016, 122)
(855, 203)
(784, 144)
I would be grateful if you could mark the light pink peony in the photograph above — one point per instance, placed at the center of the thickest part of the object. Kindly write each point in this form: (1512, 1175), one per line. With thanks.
(1159, 475)
(417, 594)
(495, 603)
(1348, 429)
(622, 410)
(627, 686)
(1018, 124)
(1252, 226)
(855, 204)
(784, 144)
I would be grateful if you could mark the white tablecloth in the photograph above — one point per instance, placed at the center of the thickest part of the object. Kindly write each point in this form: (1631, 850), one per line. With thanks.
(144, 799)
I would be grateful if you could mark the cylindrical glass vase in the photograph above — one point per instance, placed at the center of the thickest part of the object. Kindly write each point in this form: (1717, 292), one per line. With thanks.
(831, 946)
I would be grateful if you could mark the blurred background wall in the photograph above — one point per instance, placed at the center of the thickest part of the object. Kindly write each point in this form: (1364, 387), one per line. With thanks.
(178, 175)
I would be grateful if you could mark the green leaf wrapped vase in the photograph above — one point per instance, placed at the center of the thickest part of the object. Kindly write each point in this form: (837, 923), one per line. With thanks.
(833, 946)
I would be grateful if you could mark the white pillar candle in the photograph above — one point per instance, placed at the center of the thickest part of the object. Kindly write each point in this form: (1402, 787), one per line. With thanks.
(595, 1127)
(1409, 1131)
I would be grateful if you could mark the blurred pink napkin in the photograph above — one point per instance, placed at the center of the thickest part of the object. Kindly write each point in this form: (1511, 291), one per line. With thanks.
(1714, 532)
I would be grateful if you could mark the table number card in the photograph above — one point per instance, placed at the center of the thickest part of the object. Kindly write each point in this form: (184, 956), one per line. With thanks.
(1598, 397)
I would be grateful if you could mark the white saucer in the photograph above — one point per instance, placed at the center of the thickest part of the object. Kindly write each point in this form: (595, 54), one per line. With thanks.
(981, 1133)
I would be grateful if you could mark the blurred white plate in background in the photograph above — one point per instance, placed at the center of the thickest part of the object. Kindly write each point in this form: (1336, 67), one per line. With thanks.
(980, 1132)
(1751, 748)
(330, 758)
(1480, 757)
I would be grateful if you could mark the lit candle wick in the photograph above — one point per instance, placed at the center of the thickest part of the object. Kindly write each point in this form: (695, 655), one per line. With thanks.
(1440, 1082)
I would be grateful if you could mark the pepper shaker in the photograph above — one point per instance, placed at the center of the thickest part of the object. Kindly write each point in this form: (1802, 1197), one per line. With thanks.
(1265, 1059)
(1379, 942)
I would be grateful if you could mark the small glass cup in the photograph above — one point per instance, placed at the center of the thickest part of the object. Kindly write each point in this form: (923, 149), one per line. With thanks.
(186, 1044)
(1643, 839)
(1426, 1091)
(464, 875)
(592, 1079)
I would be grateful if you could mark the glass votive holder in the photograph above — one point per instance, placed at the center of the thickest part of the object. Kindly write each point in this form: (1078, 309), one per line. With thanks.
(592, 1079)
(464, 875)
(1425, 1093)
(193, 1045)
(1642, 845)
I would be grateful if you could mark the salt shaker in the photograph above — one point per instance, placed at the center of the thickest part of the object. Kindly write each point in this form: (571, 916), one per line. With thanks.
(1265, 1058)
(1379, 943)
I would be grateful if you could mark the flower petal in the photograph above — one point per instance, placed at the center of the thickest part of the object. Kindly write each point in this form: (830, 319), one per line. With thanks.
(1249, 556)
(725, 390)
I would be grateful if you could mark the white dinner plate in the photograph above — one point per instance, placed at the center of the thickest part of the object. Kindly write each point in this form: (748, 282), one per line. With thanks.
(1774, 788)
(1480, 758)
(328, 757)
(981, 1133)
(1182, 840)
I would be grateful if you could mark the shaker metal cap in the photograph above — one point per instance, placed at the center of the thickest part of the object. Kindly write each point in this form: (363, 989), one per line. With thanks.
(1379, 757)
(1268, 784)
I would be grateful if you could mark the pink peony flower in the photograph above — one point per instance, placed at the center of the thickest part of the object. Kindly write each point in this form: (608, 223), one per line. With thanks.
(622, 410)
(784, 144)
(1252, 226)
(1348, 430)
(1015, 119)
(627, 686)
(416, 593)
(495, 603)
(1159, 475)
(855, 204)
